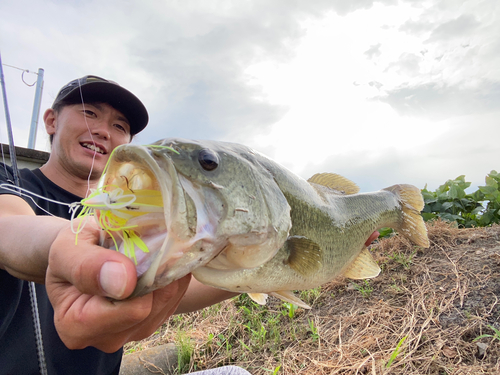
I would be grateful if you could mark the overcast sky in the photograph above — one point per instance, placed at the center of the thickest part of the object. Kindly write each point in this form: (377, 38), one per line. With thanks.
(382, 92)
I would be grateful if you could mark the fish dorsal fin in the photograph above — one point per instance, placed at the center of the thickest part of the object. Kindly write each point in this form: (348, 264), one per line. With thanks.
(336, 182)
(288, 296)
(363, 267)
(260, 298)
(305, 255)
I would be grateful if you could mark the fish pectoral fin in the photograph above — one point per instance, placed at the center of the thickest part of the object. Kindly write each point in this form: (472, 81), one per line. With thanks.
(363, 267)
(336, 182)
(304, 255)
(288, 296)
(260, 298)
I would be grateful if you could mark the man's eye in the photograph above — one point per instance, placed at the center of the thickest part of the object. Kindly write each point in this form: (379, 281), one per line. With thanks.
(120, 127)
(88, 112)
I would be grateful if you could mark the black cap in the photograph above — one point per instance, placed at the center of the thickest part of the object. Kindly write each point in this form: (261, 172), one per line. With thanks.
(97, 89)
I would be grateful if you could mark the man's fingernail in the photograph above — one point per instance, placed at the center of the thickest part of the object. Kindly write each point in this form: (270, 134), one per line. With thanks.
(113, 279)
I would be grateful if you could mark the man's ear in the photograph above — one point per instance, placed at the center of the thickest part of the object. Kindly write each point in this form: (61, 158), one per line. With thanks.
(49, 117)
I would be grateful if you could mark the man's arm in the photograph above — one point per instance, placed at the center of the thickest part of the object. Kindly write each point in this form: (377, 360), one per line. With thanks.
(199, 296)
(25, 238)
(80, 278)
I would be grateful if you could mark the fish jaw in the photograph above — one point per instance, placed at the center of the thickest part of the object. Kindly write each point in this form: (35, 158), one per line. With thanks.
(175, 242)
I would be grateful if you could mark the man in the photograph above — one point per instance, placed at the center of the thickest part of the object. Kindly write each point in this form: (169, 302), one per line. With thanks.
(83, 331)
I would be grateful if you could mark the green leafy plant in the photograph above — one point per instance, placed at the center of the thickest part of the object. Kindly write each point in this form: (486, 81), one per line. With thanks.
(290, 309)
(450, 202)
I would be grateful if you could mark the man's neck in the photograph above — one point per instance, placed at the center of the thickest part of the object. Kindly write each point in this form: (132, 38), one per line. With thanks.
(78, 185)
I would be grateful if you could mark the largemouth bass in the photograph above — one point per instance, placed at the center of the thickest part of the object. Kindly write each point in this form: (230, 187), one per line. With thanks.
(241, 222)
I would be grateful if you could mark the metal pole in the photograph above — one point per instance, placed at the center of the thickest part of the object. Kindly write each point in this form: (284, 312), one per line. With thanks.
(31, 285)
(36, 109)
(12, 150)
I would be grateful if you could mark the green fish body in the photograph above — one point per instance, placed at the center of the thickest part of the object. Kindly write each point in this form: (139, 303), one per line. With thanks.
(241, 222)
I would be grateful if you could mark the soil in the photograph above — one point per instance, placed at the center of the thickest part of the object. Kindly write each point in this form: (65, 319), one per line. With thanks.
(424, 314)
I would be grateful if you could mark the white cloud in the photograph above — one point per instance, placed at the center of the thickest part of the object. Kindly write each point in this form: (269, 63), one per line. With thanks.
(383, 91)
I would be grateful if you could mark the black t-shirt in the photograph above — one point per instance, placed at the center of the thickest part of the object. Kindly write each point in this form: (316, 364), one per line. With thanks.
(18, 354)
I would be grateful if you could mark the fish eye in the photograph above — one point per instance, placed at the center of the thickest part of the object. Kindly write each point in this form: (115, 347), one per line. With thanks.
(208, 159)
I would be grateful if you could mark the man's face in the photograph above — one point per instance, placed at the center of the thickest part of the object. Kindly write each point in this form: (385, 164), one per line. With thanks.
(85, 136)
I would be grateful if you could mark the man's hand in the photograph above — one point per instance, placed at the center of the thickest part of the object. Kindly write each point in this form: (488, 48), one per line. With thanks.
(81, 277)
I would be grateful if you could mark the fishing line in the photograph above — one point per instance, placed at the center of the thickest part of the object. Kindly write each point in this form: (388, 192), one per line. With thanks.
(29, 194)
(91, 137)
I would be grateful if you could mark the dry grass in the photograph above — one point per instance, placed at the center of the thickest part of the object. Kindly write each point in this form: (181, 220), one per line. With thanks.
(420, 316)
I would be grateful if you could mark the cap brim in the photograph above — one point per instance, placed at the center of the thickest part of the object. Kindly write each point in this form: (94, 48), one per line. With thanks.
(116, 96)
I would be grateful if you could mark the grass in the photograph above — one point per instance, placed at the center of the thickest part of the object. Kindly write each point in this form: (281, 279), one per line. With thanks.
(364, 288)
(495, 335)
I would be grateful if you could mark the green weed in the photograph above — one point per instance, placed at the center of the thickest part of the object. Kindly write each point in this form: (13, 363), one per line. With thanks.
(310, 296)
(403, 259)
(314, 330)
(290, 309)
(495, 336)
(395, 353)
(365, 288)
(185, 351)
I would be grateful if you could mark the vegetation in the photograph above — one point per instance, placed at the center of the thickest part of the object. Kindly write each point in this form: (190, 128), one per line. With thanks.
(450, 202)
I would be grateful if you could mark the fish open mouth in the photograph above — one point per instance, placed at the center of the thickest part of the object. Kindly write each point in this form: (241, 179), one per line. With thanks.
(146, 213)
(134, 218)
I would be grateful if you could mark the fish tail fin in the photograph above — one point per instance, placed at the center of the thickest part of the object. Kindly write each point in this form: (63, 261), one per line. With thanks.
(412, 202)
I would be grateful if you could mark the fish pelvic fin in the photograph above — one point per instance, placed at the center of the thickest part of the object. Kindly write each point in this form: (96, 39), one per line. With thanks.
(336, 182)
(363, 267)
(288, 296)
(413, 226)
(305, 255)
(260, 298)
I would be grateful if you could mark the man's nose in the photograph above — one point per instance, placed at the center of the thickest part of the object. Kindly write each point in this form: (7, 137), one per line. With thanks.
(102, 132)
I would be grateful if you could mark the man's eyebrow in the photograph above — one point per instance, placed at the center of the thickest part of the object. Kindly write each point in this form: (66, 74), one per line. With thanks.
(124, 119)
(99, 107)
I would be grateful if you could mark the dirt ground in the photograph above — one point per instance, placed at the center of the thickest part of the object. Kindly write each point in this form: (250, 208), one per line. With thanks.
(422, 315)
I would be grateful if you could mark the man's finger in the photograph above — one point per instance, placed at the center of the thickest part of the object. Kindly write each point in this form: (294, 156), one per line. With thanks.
(372, 238)
(90, 268)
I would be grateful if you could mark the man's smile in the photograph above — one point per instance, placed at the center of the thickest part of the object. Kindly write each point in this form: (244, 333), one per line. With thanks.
(93, 147)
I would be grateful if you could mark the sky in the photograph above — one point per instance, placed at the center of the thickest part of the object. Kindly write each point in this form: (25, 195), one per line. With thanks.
(381, 92)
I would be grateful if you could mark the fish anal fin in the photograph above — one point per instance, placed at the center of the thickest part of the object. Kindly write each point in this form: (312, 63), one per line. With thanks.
(363, 267)
(336, 182)
(412, 202)
(260, 298)
(288, 296)
(304, 255)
